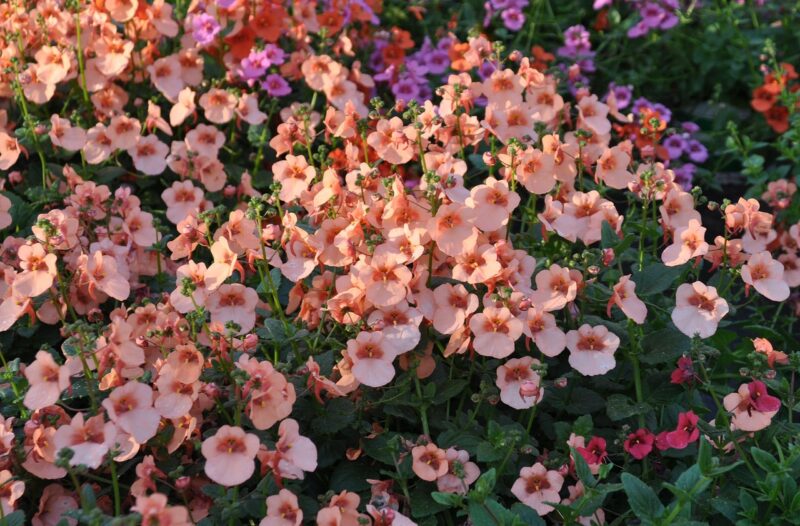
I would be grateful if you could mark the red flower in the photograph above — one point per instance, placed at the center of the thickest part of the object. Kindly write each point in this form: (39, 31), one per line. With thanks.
(684, 374)
(761, 399)
(639, 444)
(685, 433)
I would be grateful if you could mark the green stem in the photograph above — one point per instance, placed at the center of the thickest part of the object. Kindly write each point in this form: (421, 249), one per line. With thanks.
(115, 487)
(423, 406)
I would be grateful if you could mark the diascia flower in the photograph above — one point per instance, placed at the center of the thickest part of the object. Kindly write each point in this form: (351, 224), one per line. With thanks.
(495, 332)
(430, 462)
(131, 408)
(47, 380)
(766, 276)
(512, 375)
(90, 439)
(625, 298)
(372, 359)
(698, 310)
(230, 455)
(282, 510)
(639, 444)
(537, 486)
(38, 270)
(752, 406)
(591, 349)
(453, 303)
(541, 327)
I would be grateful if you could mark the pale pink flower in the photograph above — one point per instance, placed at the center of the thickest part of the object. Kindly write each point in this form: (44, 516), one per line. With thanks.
(766, 276)
(429, 462)
(234, 303)
(230, 455)
(537, 486)
(510, 379)
(495, 330)
(591, 349)
(131, 408)
(297, 453)
(149, 155)
(282, 510)
(47, 380)
(372, 359)
(688, 243)
(90, 440)
(38, 270)
(453, 303)
(541, 327)
(625, 298)
(698, 310)
(493, 203)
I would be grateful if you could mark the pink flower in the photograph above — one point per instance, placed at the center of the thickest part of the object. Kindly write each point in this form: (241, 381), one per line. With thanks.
(625, 298)
(64, 135)
(554, 288)
(230, 455)
(149, 155)
(639, 444)
(372, 359)
(89, 440)
(686, 431)
(131, 408)
(766, 276)
(460, 475)
(688, 243)
(10, 492)
(386, 279)
(495, 332)
(698, 310)
(155, 511)
(493, 203)
(752, 406)
(536, 486)
(282, 510)
(38, 270)
(452, 228)
(234, 303)
(429, 462)
(591, 349)
(103, 274)
(612, 167)
(296, 452)
(47, 380)
(541, 327)
(453, 303)
(512, 375)
(294, 174)
(685, 373)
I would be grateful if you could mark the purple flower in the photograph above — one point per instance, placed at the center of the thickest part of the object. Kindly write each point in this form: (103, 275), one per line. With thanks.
(406, 89)
(513, 19)
(623, 94)
(697, 152)
(225, 4)
(675, 145)
(438, 62)
(274, 54)
(685, 175)
(204, 28)
(600, 4)
(276, 86)
(670, 20)
(639, 29)
(254, 65)
(690, 127)
(652, 15)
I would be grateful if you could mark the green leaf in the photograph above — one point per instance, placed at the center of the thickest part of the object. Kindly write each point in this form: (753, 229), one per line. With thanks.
(582, 469)
(727, 508)
(527, 514)
(451, 500)
(764, 460)
(619, 407)
(272, 330)
(608, 238)
(664, 346)
(655, 278)
(16, 518)
(448, 390)
(641, 498)
(423, 504)
(339, 413)
(484, 486)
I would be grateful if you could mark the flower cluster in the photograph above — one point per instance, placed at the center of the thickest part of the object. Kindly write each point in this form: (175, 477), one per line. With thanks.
(272, 275)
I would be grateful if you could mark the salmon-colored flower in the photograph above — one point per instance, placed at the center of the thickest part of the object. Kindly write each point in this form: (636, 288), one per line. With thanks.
(182, 199)
(688, 243)
(295, 174)
(47, 380)
(765, 275)
(149, 155)
(625, 298)
(64, 135)
(155, 511)
(752, 407)
(452, 228)
(764, 346)
(10, 492)
(54, 503)
(493, 203)
(461, 473)
(166, 75)
(230, 455)
(541, 327)
(698, 309)
(103, 274)
(282, 510)
(453, 303)
(372, 359)
(591, 349)
(385, 279)
(555, 287)
(612, 167)
(495, 330)
(183, 108)
(219, 105)
(131, 408)
(537, 486)
(38, 270)
(9, 150)
(297, 453)
(429, 462)
(510, 379)
(234, 303)
(89, 440)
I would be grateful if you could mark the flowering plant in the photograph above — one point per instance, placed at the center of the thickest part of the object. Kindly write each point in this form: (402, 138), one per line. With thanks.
(269, 262)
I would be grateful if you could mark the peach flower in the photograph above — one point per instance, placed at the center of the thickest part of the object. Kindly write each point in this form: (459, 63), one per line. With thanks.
(537, 486)
(89, 440)
(495, 330)
(453, 303)
(752, 407)
(429, 462)
(493, 203)
(698, 309)
(155, 511)
(510, 379)
(372, 359)
(541, 327)
(230, 455)
(282, 510)
(131, 408)
(591, 349)
(625, 298)
(688, 243)
(47, 380)
(38, 270)
(234, 303)
(766, 276)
